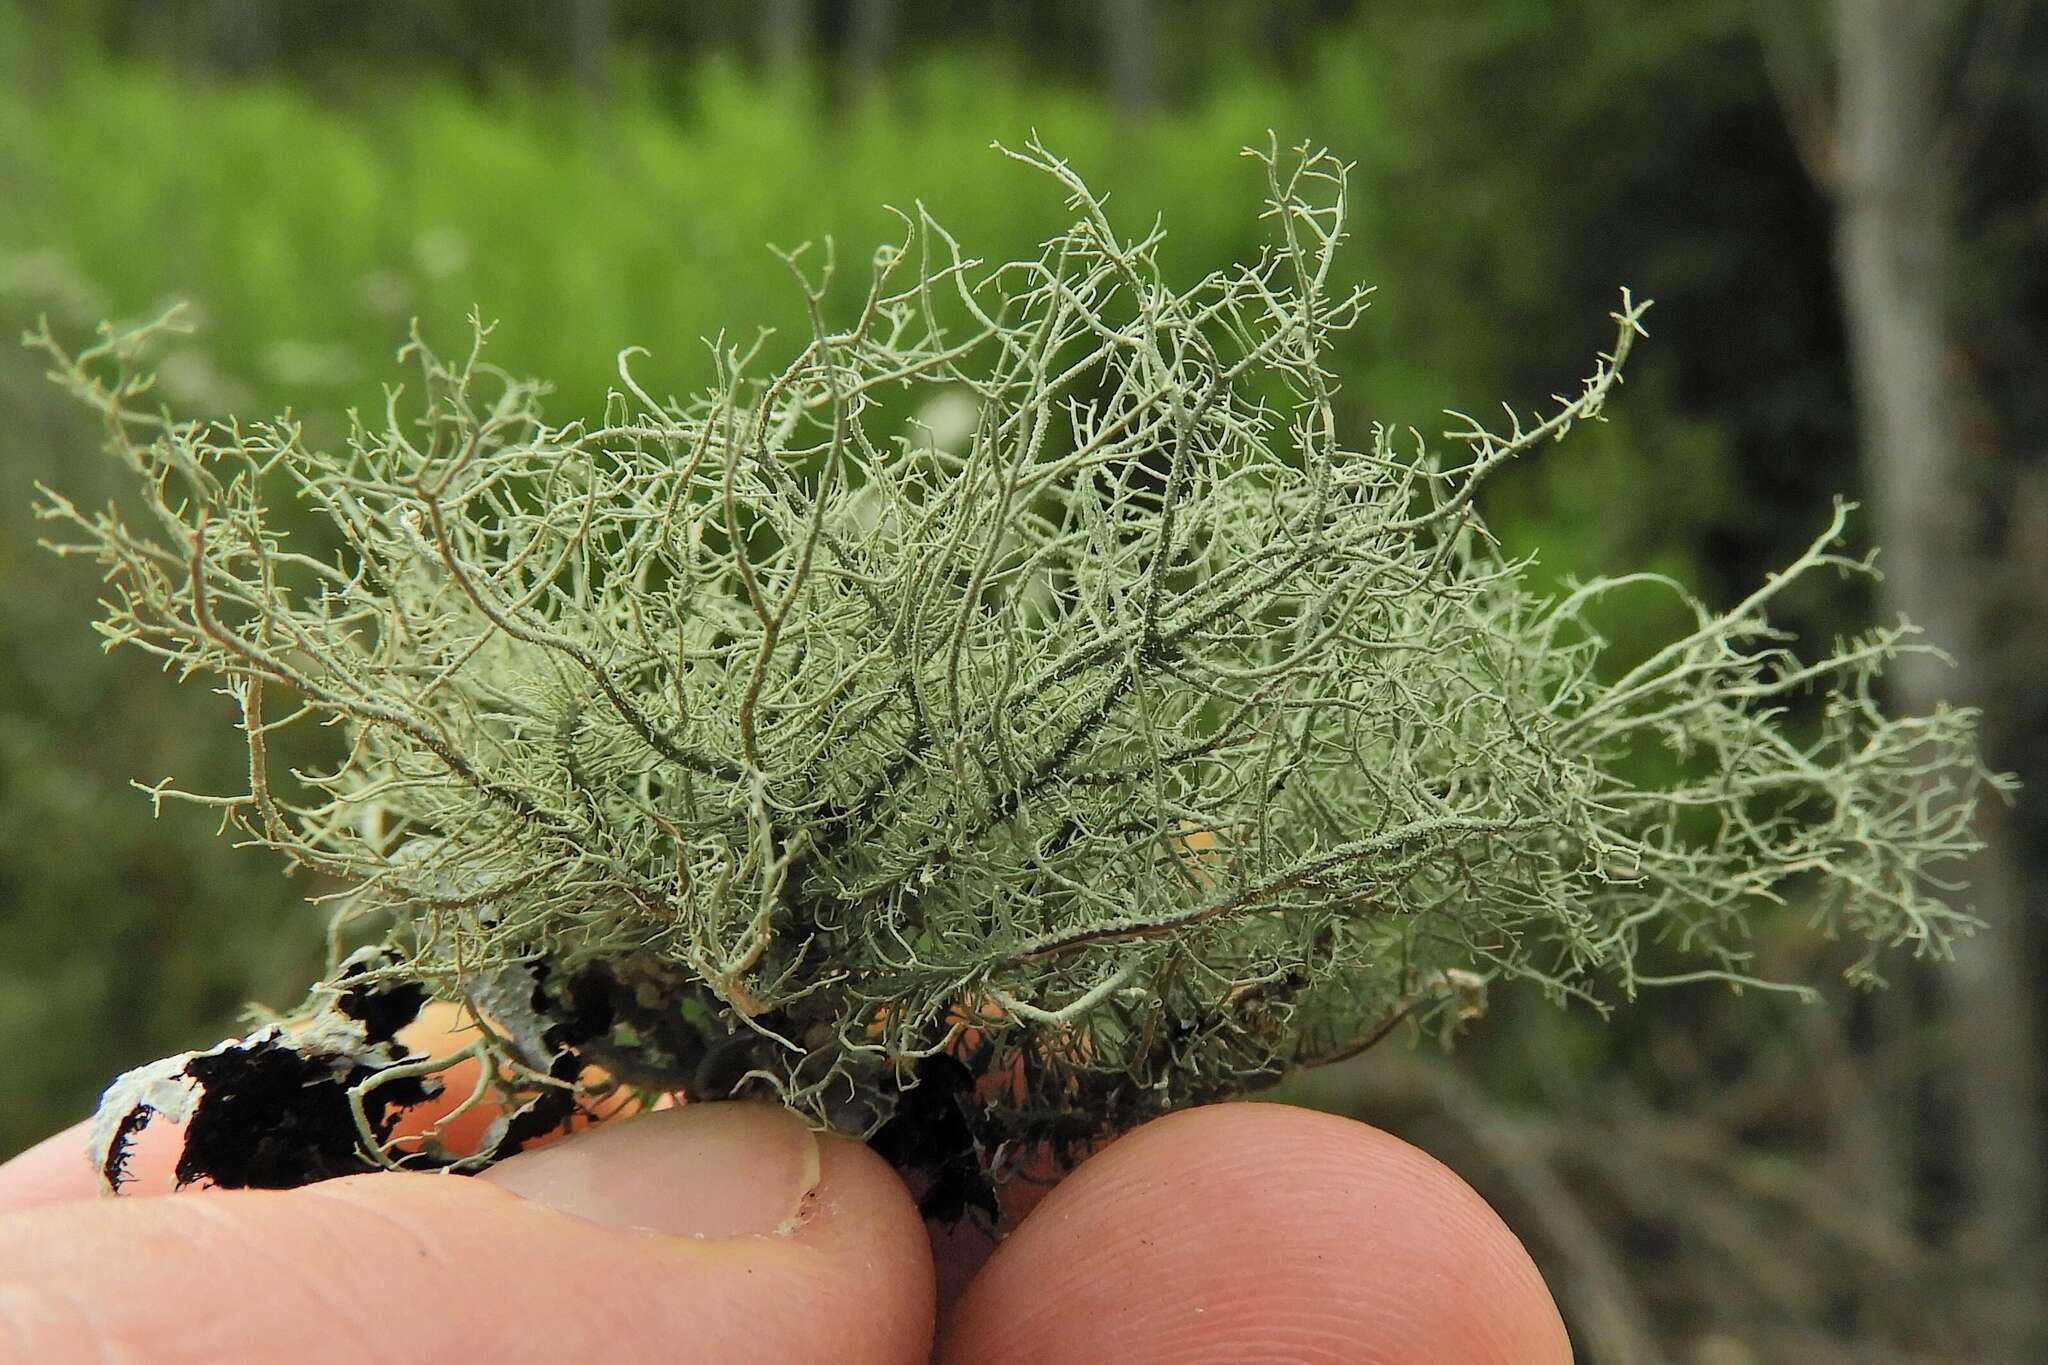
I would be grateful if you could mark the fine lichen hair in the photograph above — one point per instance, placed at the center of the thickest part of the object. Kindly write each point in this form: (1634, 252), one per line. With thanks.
(1022, 712)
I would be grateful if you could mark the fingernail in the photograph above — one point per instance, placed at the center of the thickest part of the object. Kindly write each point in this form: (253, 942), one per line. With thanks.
(725, 1169)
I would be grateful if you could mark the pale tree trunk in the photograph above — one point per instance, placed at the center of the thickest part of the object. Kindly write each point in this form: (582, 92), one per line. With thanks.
(590, 46)
(1896, 246)
(869, 29)
(785, 37)
(1131, 53)
(243, 40)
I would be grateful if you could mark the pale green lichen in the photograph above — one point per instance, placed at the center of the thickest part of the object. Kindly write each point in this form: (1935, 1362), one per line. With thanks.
(1148, 740)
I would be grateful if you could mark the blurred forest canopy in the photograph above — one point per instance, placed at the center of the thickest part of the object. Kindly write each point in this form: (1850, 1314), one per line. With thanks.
(596, 174)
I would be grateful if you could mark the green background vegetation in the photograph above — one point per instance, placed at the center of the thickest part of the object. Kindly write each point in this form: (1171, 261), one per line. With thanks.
(313, 176)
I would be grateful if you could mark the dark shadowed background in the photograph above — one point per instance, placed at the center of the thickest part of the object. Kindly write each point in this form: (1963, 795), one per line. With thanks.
(1841, 207)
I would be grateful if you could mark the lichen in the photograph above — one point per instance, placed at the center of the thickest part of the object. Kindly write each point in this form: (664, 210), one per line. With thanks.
(1143, 738)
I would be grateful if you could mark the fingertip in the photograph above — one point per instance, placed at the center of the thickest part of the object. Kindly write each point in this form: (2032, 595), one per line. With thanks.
(425, 1266)
(59, 1169)
(1260, 1231)
(51, 1172)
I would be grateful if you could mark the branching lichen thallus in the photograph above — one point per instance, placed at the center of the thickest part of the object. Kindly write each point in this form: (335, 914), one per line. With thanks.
(1021, 713)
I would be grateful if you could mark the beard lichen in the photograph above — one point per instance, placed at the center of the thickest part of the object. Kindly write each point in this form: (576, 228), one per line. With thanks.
(976, 792)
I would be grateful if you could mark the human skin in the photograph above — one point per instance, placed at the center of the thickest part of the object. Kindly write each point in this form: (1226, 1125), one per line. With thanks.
(729, 1232)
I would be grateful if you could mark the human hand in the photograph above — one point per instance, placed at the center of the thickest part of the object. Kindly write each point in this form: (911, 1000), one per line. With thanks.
(729, 1232)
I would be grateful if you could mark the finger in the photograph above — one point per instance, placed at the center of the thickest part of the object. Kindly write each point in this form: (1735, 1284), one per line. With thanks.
(54, 1170)
(1259, 1231)
(711, 1232)
(60, 1168)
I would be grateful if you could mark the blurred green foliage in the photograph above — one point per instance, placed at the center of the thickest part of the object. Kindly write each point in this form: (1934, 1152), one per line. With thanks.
(1512, 172)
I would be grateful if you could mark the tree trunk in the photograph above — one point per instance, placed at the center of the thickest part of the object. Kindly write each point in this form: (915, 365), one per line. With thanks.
(785, 38)
(590, 46)
(243, 39)
(1896, 245)
(1131, 55)
(869, 29)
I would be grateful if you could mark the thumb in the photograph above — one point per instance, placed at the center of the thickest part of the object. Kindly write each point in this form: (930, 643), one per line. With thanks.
(716, 1232)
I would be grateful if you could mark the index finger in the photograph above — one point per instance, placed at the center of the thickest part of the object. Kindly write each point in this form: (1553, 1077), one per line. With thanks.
(58, 1169)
